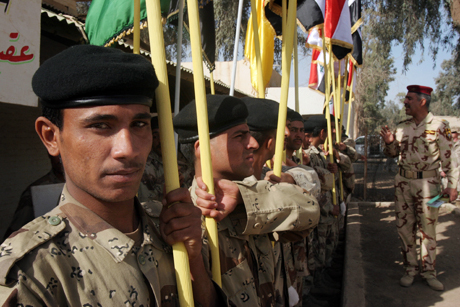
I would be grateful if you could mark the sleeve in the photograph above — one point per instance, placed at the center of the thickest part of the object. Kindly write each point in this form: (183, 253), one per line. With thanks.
(448, 162)
(351, 153)
(344, 163)
(306, 178)
(325, 177)
(277, 207)
(23, 293)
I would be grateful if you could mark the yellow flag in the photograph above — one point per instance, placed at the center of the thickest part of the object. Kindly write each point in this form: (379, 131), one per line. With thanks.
(267, 45)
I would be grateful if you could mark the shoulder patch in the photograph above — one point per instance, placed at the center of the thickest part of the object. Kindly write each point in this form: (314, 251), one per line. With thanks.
(25, 240)
(448, 133)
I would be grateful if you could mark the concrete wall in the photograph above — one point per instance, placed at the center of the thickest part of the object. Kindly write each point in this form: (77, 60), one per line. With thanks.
(23, 158)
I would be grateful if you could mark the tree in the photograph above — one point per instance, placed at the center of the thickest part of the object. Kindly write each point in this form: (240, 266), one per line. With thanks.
(447, 95)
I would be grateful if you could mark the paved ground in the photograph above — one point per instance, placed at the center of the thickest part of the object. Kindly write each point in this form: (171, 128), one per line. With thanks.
(373, 260)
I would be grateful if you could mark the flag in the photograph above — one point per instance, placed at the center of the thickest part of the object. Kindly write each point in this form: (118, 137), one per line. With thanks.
(310, 13)
(108, 21)
(355, 14)
(337, 27)
(267, 46)
(356, 21)
(357, 54)
(208, 32)
(351, 76)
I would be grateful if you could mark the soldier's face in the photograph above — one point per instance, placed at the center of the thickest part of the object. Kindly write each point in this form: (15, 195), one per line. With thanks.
(306, 140)
(412, 104)
(232, 153)
(104, 150)
(296, 135)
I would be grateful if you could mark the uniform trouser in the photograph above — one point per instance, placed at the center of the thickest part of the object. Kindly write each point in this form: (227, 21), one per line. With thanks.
(412, 213)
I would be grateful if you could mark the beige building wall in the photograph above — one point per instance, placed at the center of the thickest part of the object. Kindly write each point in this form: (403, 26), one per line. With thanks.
(223, 73)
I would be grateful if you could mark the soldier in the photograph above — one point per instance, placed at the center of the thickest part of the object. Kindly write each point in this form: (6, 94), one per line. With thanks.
(289, 249)
(246, 209)
(296, 134)
(99, 247)
(456, 149)
(422, 143)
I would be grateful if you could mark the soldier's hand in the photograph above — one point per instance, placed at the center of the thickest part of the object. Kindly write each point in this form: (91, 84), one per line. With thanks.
(270, 176)
(387, 135)
(305, 158)
(451, 192)
(333, 168)
(180, 221)
(335, 210)
(227, 197)
(342, 146)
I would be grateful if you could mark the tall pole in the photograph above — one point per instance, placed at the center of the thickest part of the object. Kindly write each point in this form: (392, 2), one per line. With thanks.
(178, 67)
(260, 80)
(137, 27)
(168, 152)
(235, 49)
(203, 129)
(288, 39)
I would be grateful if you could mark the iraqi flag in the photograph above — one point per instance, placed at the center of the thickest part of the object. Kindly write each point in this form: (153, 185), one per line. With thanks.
(356, 21)
(351, 82)
(357, 54)
(337, 27)
(355, 14)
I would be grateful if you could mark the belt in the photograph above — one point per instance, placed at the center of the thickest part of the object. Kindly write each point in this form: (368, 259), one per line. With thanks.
(418, 175)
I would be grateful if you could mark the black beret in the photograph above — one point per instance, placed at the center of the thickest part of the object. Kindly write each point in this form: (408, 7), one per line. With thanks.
(293, 116)
(86, 75)
(262, 113)
(224, 112)
(317, 121)
(309, 126)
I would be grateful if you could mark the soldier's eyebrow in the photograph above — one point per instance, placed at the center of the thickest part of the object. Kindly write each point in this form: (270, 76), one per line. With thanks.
(142, 116)
(99, 117)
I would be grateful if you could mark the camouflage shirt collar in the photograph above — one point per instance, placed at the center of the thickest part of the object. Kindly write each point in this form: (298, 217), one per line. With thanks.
(92, 226)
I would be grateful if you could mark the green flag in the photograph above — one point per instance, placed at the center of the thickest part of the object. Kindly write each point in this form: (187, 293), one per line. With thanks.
(109, 20)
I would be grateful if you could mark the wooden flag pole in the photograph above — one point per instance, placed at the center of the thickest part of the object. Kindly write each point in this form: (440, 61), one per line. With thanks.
(350, 101)
(288, 38)
(137, 27)
(181, 262)
(211, 77)
(203, 130)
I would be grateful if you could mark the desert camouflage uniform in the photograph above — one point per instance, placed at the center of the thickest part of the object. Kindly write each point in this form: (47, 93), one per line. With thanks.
(247, 258)
(318, 238)
(456, 149)
(421, 148)
(290, 247)
(25, 211)
(72, 257)
(153, 179)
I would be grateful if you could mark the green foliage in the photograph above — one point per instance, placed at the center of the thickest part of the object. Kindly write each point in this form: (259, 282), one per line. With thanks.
(410, 22)
(446, 100)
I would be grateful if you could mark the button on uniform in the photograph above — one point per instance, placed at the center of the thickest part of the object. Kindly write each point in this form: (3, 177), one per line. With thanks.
(54, 220)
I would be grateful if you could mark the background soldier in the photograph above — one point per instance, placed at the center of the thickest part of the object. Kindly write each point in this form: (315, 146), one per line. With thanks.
(422, 143)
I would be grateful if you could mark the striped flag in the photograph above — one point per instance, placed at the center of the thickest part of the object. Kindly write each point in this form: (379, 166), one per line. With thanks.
(356, 21)
(337, 27)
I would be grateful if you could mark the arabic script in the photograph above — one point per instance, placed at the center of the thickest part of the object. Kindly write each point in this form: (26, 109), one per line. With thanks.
(10, 54)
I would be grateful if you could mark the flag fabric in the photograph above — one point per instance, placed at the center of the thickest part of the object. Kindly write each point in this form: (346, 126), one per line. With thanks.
(351, 76)
(266, 43)
(208, 32)
(355, 14)
(310, 13)
(337, 27)
(108, 21)
(356, 21)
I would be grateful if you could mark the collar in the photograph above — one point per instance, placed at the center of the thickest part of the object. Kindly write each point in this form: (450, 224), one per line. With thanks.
(92, 226)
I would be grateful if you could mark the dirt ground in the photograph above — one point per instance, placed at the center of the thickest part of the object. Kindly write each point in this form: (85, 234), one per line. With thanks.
(379, 248)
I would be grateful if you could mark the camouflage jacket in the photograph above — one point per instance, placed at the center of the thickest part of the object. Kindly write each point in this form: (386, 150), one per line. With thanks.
(72, 257)
(25, 211)
(351, 152)
(424, 147)
(247, 259)
(319, 163)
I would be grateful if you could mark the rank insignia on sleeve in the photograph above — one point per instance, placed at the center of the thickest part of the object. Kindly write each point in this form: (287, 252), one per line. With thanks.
(448, 134)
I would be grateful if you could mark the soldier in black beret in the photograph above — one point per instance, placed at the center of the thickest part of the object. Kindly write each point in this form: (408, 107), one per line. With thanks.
(96, 117)
(240, 199)
(294, 122)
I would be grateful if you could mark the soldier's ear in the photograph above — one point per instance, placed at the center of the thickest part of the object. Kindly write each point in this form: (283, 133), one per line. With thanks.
(423, 102)
(48, 133)
(196, 146)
